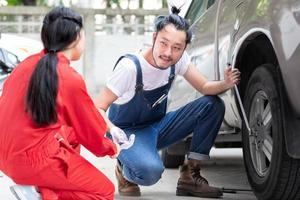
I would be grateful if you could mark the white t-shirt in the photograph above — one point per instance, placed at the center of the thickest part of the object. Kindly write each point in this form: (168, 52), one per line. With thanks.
(122, 81)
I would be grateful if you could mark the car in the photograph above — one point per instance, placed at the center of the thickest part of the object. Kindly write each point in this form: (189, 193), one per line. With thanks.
(4, 72)
(9, 58)
(14, 49)
(8, 61)
(261, 39)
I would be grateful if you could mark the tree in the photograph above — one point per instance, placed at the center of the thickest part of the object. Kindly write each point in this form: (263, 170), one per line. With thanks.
(26, 2)
(164, 3)
(29, 2)
(13, 2)
(141, 3)
(109, 3)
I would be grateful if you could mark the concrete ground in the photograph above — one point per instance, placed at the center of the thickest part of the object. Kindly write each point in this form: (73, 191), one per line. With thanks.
(225, 169)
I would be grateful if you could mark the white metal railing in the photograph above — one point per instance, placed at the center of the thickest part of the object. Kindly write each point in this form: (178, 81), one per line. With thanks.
(28, 19)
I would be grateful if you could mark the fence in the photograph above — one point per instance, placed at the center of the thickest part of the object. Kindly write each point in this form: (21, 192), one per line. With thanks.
(28, 19)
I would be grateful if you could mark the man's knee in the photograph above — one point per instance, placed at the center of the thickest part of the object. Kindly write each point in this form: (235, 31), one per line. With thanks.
(215, 102)
(148, 174)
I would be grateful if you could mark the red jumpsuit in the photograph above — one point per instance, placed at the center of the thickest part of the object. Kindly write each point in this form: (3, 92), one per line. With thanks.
(48, 156)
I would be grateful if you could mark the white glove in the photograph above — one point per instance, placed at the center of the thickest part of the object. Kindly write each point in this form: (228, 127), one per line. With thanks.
(127, 144)
(119, 137)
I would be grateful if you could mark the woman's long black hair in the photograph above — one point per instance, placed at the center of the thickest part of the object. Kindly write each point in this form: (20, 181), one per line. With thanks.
(61, 27)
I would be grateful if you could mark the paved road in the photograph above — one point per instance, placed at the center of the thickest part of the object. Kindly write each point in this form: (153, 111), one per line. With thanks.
(225, 169)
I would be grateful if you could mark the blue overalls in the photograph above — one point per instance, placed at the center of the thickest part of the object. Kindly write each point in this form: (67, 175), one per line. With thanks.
(145, 116)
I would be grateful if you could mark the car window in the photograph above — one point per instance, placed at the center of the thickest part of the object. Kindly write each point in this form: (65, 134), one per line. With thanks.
(196, 9)
(210, 3)
(2, 71)
(2, 55)
(12, 59)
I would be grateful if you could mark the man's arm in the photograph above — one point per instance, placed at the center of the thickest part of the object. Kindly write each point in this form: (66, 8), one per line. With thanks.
(103, 101)
(206, 87)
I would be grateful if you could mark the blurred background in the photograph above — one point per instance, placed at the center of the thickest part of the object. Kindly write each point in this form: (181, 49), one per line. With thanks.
(113, 28)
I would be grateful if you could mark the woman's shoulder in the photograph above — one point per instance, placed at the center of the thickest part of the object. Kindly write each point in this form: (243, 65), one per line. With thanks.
(70, 81)
(68, 74)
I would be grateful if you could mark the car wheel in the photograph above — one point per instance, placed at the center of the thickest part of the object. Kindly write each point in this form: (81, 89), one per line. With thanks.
(271, 172)
(171, 161)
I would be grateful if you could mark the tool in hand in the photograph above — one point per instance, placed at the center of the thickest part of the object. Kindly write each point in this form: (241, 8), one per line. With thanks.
(235, 190)
(241, 105)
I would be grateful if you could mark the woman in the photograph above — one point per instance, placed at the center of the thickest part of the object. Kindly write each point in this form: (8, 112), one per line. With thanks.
(46, 114)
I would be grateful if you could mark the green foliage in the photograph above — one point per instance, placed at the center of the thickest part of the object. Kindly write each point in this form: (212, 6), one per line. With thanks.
(109, 3)
(42, 2)
(164, 3)
(24, 2)
(14, 2)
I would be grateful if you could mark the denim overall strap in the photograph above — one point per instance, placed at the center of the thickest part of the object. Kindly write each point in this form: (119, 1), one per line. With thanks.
(139, 78)
(172, 76)
(146, 106)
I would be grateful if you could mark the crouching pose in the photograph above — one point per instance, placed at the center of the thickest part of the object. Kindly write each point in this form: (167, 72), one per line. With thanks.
(46, 114)
(136, 95)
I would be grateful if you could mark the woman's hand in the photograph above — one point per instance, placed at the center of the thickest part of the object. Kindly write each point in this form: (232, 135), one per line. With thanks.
(117, 152)
(119, 137)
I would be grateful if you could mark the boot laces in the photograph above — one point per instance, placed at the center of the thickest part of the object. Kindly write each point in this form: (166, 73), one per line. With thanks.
(197, 177)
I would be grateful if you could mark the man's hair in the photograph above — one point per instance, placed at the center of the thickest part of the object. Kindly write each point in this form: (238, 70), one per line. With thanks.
(180, 23)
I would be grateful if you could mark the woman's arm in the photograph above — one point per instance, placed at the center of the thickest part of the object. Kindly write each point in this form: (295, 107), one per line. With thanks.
(82, 115)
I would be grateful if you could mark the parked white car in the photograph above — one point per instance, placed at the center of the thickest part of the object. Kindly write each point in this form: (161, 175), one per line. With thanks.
(21, 46)
(14, 49)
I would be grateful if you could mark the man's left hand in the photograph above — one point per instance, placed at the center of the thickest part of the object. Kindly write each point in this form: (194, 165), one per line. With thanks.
(232, 76)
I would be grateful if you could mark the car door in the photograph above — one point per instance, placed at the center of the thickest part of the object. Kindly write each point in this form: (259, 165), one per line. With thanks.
(201, 15)
(3, 73)
(231, 16)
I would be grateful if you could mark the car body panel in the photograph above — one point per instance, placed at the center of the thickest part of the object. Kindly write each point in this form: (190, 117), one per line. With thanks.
(13, 49)
(224, 30)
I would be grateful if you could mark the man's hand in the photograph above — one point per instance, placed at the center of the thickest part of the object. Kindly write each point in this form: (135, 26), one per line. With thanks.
(231, 76)
(119, 137)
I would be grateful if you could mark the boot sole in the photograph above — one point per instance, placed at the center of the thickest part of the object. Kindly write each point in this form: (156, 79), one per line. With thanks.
(132, 194)
(183, 192)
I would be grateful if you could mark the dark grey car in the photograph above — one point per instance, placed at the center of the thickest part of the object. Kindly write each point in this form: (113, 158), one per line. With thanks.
(7, 63)
(261, 38)
(4, 72)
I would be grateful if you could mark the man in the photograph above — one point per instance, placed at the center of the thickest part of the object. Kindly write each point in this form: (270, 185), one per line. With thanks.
(136, 94)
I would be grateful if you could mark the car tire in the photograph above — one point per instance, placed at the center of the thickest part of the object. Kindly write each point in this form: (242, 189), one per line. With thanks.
(271, 172)
(171, 161)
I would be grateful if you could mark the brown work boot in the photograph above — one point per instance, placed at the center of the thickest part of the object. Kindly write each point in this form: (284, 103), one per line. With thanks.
(125, 187)
(191, 183)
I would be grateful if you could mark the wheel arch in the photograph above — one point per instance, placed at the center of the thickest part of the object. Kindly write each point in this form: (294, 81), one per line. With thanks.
(255, 50)
(251, 55)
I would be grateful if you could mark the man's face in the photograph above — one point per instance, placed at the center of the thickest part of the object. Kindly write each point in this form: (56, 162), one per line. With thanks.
(169, 45)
